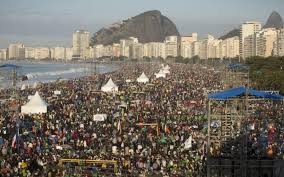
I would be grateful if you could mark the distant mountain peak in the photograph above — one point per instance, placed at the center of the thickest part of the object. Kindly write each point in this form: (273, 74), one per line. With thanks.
(232, 33)
(150, 26)
(274, 21)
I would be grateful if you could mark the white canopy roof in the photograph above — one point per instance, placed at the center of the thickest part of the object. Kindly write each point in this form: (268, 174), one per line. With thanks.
(36, 105)
(143, 78)
(23, 87)
(110, 86)
(167, 67)
(166, 71)
(160, 74)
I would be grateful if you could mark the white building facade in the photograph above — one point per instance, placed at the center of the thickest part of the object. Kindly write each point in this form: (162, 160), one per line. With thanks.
(3, 54)
(247, 38)
(171, 46)
(230, 47)
(16, 51)
(265, 40)
(42, 53)
(81, 44)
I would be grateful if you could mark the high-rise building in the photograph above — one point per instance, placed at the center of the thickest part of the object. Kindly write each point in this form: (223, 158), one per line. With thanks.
(264, 42)
(172, 46)
(136, 51)
(195, 46)
(81, 44)
(204, 47)
(126, 46)
(185, 46)
(99, 49)
(30, 53)
(230, 47)
(107, 51)
(214, 49)
(278, 47)
(247, 38)
(58, 53)
(68, 53)
(42, 53)
(3, 54)
(154, 49)
(16, 51)
(116, 50)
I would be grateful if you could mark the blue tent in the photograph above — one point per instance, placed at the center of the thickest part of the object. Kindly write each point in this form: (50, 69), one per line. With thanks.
(239, 91)
(234, 66)
(9, 66)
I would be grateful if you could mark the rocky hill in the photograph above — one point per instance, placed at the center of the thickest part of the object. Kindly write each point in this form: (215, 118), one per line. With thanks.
(274, 21)
(149, 26)
(233, 33)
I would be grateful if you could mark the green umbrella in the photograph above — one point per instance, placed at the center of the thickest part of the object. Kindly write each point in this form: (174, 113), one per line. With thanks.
(163, 140)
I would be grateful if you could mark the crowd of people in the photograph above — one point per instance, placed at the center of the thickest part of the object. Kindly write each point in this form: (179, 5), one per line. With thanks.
(151, 129)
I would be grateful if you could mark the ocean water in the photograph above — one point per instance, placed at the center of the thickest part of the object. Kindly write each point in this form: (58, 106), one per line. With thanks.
(49, 71)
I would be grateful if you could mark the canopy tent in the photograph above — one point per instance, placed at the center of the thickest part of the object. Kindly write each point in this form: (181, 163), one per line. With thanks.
(160, 74)
(234, 66)
(142, 78)
(167, 67)
(239, 91)
(23, 87)
(36, 105)
(110, 86)
(166, 71)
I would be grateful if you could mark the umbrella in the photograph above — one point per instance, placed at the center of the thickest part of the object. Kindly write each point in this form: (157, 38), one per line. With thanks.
(163, 140)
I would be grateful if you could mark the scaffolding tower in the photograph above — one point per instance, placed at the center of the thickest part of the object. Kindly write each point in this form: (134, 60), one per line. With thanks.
(227, 143)
(235, 75)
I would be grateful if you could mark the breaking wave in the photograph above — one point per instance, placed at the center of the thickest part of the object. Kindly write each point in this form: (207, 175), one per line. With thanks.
(56, 73)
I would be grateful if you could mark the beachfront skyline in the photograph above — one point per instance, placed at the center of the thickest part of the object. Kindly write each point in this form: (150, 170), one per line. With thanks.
(51, 23)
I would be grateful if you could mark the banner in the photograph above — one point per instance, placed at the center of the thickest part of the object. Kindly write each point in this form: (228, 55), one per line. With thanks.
(188, 143)
(99, 117)
(57, 92)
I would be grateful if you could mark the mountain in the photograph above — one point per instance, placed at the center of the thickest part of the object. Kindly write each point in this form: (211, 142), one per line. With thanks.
(233, 33)
(150, 26)
(274, 21)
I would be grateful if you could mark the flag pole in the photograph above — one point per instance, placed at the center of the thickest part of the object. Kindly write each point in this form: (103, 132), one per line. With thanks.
(17, 135)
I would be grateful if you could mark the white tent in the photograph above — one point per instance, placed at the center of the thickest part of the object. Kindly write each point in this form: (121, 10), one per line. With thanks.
(142, 78)
(36, 105)
(166, 71)
(167, 67)
(23, 87)
(160, 74)
(109, 86)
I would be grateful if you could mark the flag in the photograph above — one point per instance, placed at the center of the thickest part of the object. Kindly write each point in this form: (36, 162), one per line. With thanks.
(119, 126)
(167, 130)
(14, 141)
(188, 143)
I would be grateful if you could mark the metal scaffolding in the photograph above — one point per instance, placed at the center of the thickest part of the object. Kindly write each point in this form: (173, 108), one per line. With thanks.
(235, 76)
(227, 143)
(228, 121)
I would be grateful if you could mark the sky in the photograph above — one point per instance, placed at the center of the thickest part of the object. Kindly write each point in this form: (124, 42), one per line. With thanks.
(51, 22)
